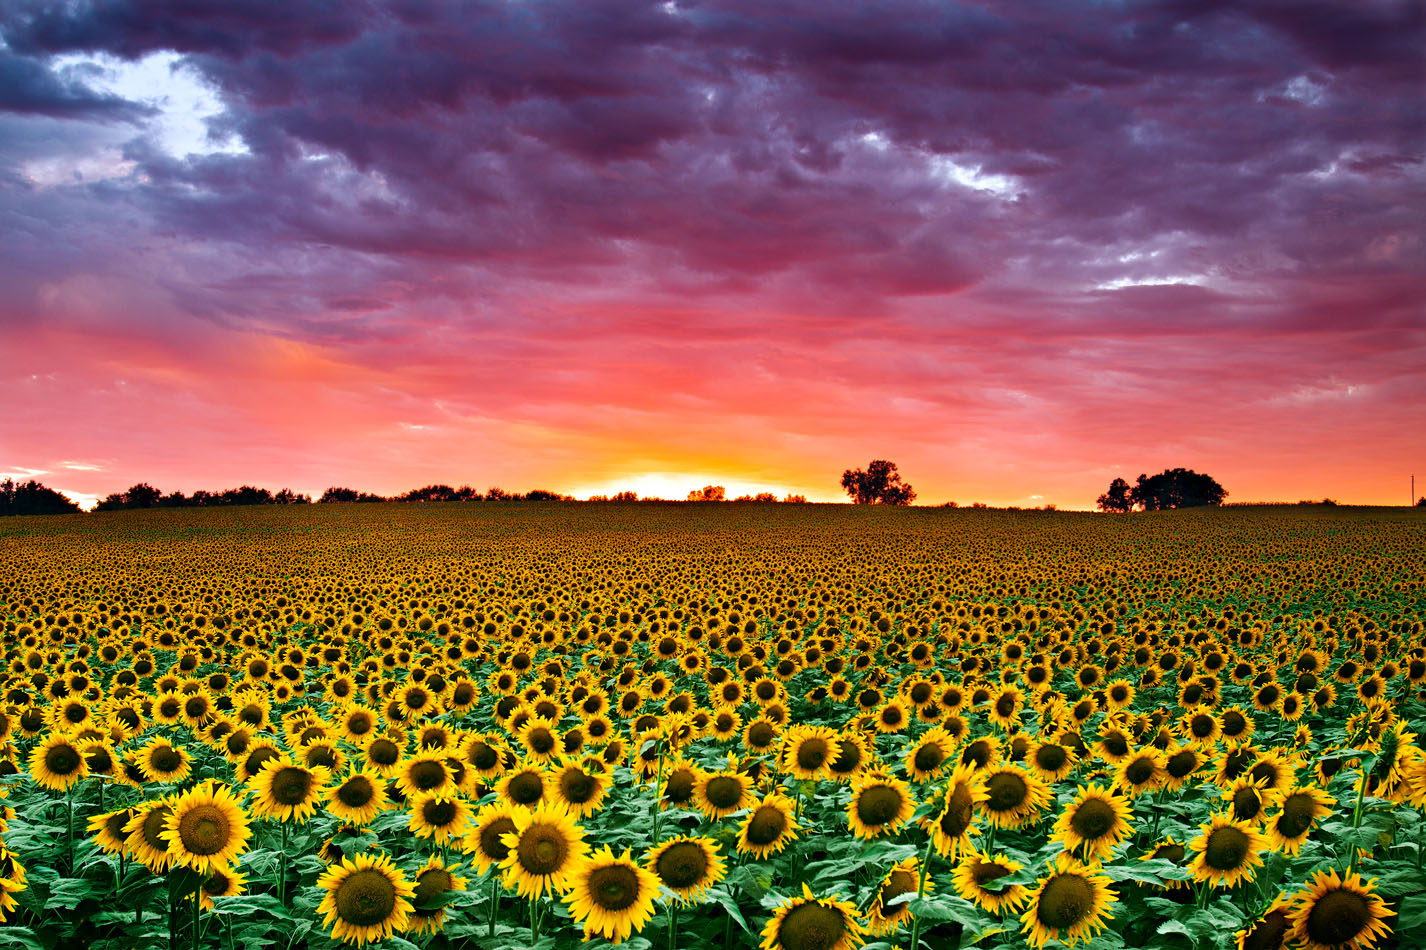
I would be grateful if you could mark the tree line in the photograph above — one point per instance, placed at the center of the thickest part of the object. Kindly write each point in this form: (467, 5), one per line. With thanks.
(1171, 488)
(32, 498)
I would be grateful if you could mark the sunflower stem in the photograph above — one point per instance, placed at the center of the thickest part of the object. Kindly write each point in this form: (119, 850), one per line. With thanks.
(494, 902)
(69, 830)
(282, 865)
(196, 906)
(921, 886)
(658, 795)
(673, 927)
(534, 921)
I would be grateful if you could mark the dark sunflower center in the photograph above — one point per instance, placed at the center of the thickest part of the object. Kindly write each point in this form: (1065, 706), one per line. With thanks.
(356, 792)
(1265, 770)
(761, 734)
(1093, 819)
(431, 884)
(323, 755)
(1297, 814)
(811, 926)
(1139, 771)
(526, 788)
(165, 759)
(385, 752)
(679, 788)
(365, 898)
(75, 713)
(1170, 852)
(1065, 900)
(1234, 723)
(959, 811)
(1201, 726)
(541, 740)
(114, 824)
(204, 830)
(577, 787)
(812, 753)
(766, 825)
(216, 885)
(614, 888)
(1116, 744)
(897, 883)
(848, 758)
(251, 714)
(482, 756)
(986, 873)
(359, 725)
(1051, 757)
(1226, 850)
(724, 791)
(878, 805)
(196, 708)
(1182, 763)
(977, 754)
(439, 813)
(542, 850)
(1268, 933)
(682, 865)
(929, 757)
(426, 775)
(1246, 804)
(1007, 791)
(63, 760)
(259, 758)
(1005, 705)
(153, 825)
(1337, 917)
(291, 785)
(490, 842)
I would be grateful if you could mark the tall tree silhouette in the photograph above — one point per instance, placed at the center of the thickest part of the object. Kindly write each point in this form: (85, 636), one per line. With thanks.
(879, 484)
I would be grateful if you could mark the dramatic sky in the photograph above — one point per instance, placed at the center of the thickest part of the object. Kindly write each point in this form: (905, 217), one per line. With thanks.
(1019, 249)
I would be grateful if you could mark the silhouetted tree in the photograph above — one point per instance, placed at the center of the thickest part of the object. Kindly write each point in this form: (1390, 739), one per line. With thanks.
(1118, 498)
(1421, 502)
(497, 494)
(792, 499)
(540, 494)
(288, 497)
(708, 493)
(880, 484)
(142, 495)
(624, 496)
(32, 498)
(335, 495)
(466, 493)
(174, 499)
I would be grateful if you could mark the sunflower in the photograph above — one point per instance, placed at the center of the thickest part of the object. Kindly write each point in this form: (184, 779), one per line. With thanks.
(1168, 850)
(807, 751)
(432, 885)
(813, 923)
(929, 756)
(1336, 913)
(1093, 824)
(769, 827)
(144, 834)
(580, 787)
(439, 816)
(359, 798)
(883, 917)
(220, 882)
(880, 804)
(1140, 772)
(611, 895)
(540, 740)
(1268, 930)
(206, 828)
(1050, 760)
(425, 774)
(544, 849)
(678, 784)
(288, 792)
(368, 899)
(1180, 763)
(1070, 904)
(975, 879)
(1248, 798)
(1227, 851)
(382, 754)
(952, 827)
(1014, 797)
(1298, 812)
(525, 786)
(482, 754)
(58, 763)
(687, 866)
(1237, 725)
(108, 830)
(162, 761)
(852, 756)
(485, 840)
(719, 794)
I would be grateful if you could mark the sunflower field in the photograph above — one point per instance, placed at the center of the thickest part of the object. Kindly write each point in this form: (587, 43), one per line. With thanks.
(784, 727)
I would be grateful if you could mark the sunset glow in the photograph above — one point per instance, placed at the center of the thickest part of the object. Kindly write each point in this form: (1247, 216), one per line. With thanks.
(590, 247)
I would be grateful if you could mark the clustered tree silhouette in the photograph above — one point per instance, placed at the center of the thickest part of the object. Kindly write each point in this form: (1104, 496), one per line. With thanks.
(144, 495)
(1171, 488)
(32, 498)
(880, 484)
(708, 493)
